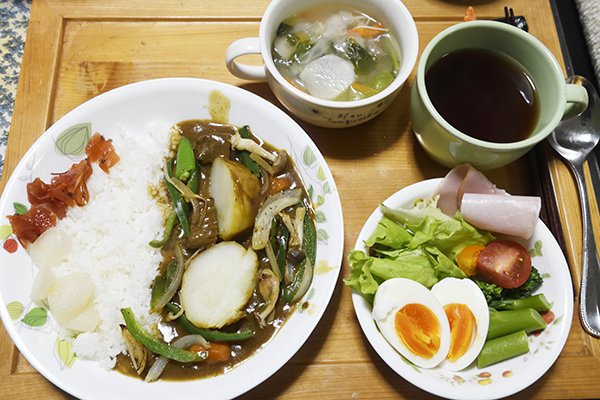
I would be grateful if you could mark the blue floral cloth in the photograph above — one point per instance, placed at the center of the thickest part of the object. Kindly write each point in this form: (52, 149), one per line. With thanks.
(14, 18)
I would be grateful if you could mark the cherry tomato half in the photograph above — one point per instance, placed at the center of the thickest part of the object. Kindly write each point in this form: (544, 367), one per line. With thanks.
(505, 263)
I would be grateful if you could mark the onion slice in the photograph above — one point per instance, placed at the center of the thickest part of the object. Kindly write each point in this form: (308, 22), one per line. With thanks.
(270, 208)
(161, 362)
(273, 260)
(306, 280)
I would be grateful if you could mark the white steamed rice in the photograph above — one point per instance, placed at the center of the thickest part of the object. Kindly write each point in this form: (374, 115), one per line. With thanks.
(110, 238)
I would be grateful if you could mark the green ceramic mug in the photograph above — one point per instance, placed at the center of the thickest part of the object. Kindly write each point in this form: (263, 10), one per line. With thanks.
(449, 146)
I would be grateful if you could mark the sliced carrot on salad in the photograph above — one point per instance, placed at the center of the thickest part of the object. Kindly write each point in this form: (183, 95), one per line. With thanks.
(369, 31)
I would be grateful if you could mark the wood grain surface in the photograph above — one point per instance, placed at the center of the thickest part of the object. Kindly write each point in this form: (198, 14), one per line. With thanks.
(76, 50)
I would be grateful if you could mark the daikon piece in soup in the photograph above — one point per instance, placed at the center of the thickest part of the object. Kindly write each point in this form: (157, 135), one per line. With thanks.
(336, 54)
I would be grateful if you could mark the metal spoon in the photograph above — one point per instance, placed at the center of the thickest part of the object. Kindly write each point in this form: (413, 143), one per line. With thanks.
(574, 139)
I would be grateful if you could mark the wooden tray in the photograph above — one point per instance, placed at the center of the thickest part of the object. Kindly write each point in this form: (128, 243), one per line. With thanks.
(76, 50)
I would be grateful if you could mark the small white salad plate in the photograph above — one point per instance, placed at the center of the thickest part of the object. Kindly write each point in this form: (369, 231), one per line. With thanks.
(139, 107)
(504, 378)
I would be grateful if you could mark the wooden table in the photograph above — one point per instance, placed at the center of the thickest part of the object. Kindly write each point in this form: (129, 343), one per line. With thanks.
(76, 50)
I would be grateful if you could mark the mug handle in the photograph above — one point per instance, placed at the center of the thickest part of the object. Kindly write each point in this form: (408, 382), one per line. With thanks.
(577, 101)
(240, 47)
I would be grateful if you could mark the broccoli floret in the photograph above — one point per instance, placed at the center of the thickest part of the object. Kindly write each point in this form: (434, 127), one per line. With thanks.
(493, 292)
(531, 285)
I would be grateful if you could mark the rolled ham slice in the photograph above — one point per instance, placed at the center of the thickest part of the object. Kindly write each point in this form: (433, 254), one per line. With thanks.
(510, 215)
(462, 179)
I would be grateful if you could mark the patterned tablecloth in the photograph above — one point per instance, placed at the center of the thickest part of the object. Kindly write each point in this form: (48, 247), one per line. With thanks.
(14, 18)
(589, 14)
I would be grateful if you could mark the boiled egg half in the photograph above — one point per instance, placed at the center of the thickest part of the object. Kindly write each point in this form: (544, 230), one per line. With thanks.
(447, 325)
(412, 321)
(468, 316)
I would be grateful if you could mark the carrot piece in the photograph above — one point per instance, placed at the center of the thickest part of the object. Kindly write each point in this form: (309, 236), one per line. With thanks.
(470, 14)
(364, 89)
(219, 352)
(280, 183)
(369, 31)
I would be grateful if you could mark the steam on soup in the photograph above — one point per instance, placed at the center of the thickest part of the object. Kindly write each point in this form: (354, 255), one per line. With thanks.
(336, 54)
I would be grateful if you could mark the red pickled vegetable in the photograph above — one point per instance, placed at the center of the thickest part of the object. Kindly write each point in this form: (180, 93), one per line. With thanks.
(101, 150)
(28, 227)
(50, 202)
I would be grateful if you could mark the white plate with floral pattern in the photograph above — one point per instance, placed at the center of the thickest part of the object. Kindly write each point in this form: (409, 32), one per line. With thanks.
(504, 378)
(143, 104)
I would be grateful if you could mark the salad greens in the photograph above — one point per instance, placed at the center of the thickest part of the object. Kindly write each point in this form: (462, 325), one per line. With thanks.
(418, 243)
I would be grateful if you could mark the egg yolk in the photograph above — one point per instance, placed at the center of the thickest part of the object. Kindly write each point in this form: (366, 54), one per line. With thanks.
(462, 329)
(419, 329)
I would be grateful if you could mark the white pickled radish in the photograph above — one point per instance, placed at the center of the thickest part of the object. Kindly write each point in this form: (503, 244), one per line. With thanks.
(86, 321)
(42, 284)
(328, 77)
(50, 248)
(510, 215)
(70, 295)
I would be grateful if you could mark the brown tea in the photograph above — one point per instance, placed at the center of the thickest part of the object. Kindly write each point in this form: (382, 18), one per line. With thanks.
(484, 94)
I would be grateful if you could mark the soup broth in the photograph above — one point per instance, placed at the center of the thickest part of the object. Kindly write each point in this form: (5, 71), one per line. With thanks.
(336, 54)
(484, 94)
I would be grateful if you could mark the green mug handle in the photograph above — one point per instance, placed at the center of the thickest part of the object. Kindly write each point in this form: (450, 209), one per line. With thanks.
(577, 101)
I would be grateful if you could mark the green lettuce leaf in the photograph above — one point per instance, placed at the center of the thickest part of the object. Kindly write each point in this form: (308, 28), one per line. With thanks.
(389, 233)
(418, 243)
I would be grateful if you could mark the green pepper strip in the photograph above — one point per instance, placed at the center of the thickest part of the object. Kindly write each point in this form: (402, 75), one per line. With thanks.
(309, 238)
(245, 155)
(309, 246)
(155, 345)
(161, 282)
(194, 182)
(158, 287)
(179, 206)
(185, 161)
(157, 244)
(208, 334)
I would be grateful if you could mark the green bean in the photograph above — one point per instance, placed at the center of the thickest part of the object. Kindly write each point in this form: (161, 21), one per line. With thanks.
(180, 208)
(505, 322)
(537, 302)
(503, 348)
(155, 345)
(186, 161)
(157, 244)
(208, 334)
(245, 158)
(194, 182)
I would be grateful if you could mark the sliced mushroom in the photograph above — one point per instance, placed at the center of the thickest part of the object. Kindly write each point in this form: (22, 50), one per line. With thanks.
(268, 287)
(280, 161)
(239, 143)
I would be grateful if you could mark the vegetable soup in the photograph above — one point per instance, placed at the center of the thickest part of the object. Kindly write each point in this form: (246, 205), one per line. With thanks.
(336, 54)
